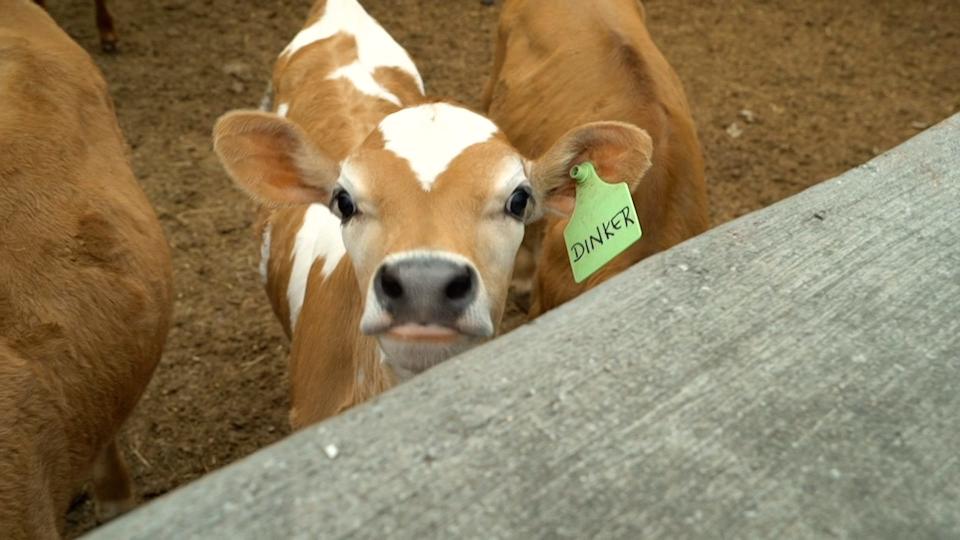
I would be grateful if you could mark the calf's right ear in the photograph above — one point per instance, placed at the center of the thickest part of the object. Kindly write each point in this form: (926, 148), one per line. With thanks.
(621, 152)
(271, 158)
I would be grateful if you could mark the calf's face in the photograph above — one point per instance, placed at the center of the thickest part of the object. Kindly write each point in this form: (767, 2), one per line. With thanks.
(433, 206)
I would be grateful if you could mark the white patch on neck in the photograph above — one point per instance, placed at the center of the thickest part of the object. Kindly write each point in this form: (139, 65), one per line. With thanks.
(319, 236)
(265, 252)
(361, 376)
(430, 136)
(282, 109)
(362, 78)
(375, 47)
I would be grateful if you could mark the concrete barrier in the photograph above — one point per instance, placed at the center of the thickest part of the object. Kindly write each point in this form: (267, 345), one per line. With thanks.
(794, 373)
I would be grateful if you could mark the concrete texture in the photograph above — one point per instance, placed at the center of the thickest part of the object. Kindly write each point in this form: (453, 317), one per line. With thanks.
(794, 373)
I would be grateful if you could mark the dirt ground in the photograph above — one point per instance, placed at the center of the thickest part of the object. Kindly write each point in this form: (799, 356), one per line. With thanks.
(786, 93)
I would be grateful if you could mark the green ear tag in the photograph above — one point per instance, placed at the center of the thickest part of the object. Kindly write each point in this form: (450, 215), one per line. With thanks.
(603, 225)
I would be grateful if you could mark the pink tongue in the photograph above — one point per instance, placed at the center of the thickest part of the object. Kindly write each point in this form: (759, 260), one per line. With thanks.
(419, 331)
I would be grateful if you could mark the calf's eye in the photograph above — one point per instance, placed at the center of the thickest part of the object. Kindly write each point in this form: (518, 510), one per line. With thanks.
(518, 202)
(343, 205)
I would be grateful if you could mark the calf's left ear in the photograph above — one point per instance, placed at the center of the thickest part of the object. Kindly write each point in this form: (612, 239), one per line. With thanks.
(272, 159)
(620, 152)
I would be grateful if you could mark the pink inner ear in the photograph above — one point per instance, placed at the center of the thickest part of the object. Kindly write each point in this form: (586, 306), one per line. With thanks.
(606, 159)
(261, 153)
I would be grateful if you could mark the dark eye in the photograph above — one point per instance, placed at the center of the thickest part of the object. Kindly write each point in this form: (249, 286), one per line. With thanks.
(343, 205)
(518, 202)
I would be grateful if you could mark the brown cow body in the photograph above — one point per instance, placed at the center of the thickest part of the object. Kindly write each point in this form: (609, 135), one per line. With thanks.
(85, 279)
(561, 63)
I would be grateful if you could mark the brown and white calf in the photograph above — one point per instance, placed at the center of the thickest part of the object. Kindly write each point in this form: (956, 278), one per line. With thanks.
(561, 63)
(108, 34)
(85, 280)
(389, 222)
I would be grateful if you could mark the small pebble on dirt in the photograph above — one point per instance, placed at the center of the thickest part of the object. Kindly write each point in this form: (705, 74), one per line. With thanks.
(734, 131)
(748, 116)
(237, 69)
(331, 451)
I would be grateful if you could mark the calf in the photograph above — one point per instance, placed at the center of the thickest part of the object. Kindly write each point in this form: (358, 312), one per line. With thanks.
(108, 34)
(560, 63)
(389, 222)
(85, 280)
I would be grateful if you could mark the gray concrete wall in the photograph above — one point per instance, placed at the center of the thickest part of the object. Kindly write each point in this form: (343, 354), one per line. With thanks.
(794, 373)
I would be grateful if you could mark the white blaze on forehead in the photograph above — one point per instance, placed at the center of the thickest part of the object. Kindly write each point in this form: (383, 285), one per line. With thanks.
(430, 136)
(375, 47)
(319, 236)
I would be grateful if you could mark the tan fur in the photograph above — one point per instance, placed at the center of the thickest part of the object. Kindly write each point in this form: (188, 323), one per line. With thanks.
(85, 279)
(326, 380)
(327, 350)
(561, 63)
(294, 171)
(334, 114)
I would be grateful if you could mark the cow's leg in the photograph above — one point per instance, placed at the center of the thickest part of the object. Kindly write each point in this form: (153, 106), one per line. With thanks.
(112, 491)
(108, 34)
(34, 457)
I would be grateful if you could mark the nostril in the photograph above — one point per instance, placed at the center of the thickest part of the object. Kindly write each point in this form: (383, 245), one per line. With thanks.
(460, 286)
(390, 285)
